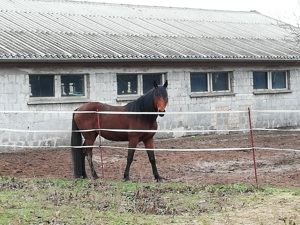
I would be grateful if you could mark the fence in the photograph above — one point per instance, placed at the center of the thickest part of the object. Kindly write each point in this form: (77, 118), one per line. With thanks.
(250, 130)
(16, 131)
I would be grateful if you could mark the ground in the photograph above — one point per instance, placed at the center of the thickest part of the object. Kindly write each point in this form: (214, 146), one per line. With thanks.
(280, 168)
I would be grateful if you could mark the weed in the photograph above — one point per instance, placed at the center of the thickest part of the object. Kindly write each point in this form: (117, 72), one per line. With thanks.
(54, 201)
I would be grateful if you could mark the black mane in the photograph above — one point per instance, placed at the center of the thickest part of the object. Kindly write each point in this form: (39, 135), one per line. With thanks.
(145, 103)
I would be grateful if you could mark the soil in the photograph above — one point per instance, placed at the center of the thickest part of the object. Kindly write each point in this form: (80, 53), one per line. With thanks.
(280, 168)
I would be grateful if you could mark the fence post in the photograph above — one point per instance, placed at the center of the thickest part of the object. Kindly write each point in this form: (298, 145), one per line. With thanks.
(100, 144)
(252, 146)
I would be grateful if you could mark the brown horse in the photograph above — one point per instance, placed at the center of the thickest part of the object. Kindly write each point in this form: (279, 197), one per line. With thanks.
(153, 101)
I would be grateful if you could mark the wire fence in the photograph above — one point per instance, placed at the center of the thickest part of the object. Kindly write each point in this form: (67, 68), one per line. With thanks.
(249, 130)
(192, 131)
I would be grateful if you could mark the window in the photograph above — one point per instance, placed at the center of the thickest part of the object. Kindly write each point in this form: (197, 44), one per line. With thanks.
(260, 80)
(220, 82)
(148, 81)
(137, 84)
(199, 82)
(41, 85)
(210, 82)
(72, 85)
(127, 84)
(270, 80)
(47, 88)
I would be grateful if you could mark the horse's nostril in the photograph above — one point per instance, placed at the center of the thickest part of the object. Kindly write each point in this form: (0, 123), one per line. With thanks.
(161, 115)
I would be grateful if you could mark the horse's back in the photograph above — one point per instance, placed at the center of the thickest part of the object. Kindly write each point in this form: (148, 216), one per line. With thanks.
(98, 106)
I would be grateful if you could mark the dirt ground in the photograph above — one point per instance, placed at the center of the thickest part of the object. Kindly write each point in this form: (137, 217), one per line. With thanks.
(277, 168)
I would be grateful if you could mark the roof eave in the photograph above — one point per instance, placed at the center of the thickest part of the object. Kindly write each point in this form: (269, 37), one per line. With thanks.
(167, 59)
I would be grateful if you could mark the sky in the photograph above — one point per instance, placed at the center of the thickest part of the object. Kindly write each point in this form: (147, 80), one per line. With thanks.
(284, 10)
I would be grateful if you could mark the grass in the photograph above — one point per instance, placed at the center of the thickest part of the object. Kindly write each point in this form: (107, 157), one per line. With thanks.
(51, 201)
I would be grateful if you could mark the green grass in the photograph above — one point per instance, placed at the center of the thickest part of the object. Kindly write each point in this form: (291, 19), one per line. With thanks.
(53, 201)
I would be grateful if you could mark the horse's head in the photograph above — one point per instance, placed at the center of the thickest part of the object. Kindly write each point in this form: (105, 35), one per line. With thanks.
(160, 97)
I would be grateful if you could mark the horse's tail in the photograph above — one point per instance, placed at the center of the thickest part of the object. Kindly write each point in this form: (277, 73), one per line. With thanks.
(77, 153)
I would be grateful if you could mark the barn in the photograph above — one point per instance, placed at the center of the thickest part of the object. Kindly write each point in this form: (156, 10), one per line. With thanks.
(57, 54)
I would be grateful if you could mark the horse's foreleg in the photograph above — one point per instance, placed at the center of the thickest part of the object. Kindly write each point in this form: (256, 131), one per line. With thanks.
(131, 144)
(150, 144)
(129, 161)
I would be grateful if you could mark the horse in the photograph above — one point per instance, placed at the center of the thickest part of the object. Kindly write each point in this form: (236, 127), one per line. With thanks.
(154, 100)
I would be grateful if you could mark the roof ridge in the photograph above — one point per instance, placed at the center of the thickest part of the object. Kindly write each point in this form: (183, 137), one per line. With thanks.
(141, 6)
(152, 6)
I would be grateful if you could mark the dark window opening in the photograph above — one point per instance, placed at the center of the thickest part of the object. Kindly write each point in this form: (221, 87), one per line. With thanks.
(41, 85)
(220, 82)
(127, 84)
(72, 85)
(199, 82)
(279, 80)
(260, 80)
(148, 81)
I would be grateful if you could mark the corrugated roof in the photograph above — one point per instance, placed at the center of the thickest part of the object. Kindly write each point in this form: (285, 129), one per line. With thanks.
(72, 30)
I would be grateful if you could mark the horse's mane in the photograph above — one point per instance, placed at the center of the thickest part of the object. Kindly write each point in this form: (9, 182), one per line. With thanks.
(145, 103)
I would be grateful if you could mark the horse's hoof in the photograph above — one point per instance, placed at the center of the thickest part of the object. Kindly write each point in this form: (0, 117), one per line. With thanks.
(159, 179)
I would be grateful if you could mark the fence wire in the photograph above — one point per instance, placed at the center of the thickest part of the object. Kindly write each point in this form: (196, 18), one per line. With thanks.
(147, 131)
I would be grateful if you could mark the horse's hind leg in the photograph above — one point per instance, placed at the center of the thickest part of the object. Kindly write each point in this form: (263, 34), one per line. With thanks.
(84, 176)
(89, 156)
(150, 144)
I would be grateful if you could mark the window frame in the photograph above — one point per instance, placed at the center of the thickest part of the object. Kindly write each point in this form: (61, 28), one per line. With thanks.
(130, 97)
(210, 91)
(58, 97)
(270, 89)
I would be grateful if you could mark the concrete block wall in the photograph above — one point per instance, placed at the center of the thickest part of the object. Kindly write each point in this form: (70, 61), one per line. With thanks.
(102, 86)
(243, 98)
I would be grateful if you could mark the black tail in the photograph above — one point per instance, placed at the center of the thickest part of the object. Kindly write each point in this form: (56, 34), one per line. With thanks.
(77, 153)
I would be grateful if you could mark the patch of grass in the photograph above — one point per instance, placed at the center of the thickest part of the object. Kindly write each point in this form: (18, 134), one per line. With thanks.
(54, 201)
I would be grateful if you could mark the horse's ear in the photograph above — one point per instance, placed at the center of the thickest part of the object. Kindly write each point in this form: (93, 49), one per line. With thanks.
(155, 84)
(166, 84)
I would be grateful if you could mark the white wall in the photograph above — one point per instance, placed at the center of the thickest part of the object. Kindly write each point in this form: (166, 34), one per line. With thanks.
(102, 86)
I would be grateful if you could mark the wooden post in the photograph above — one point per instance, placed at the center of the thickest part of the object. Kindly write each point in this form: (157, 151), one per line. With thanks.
(252, 146)
(99, 133)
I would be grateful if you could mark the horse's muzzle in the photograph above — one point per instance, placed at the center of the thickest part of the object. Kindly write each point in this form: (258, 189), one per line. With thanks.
(161, 115)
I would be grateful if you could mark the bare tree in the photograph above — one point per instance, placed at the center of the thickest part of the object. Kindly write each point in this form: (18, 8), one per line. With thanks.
(293, 30)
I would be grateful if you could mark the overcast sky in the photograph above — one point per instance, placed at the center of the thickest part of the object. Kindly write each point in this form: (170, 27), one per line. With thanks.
(285, 10)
